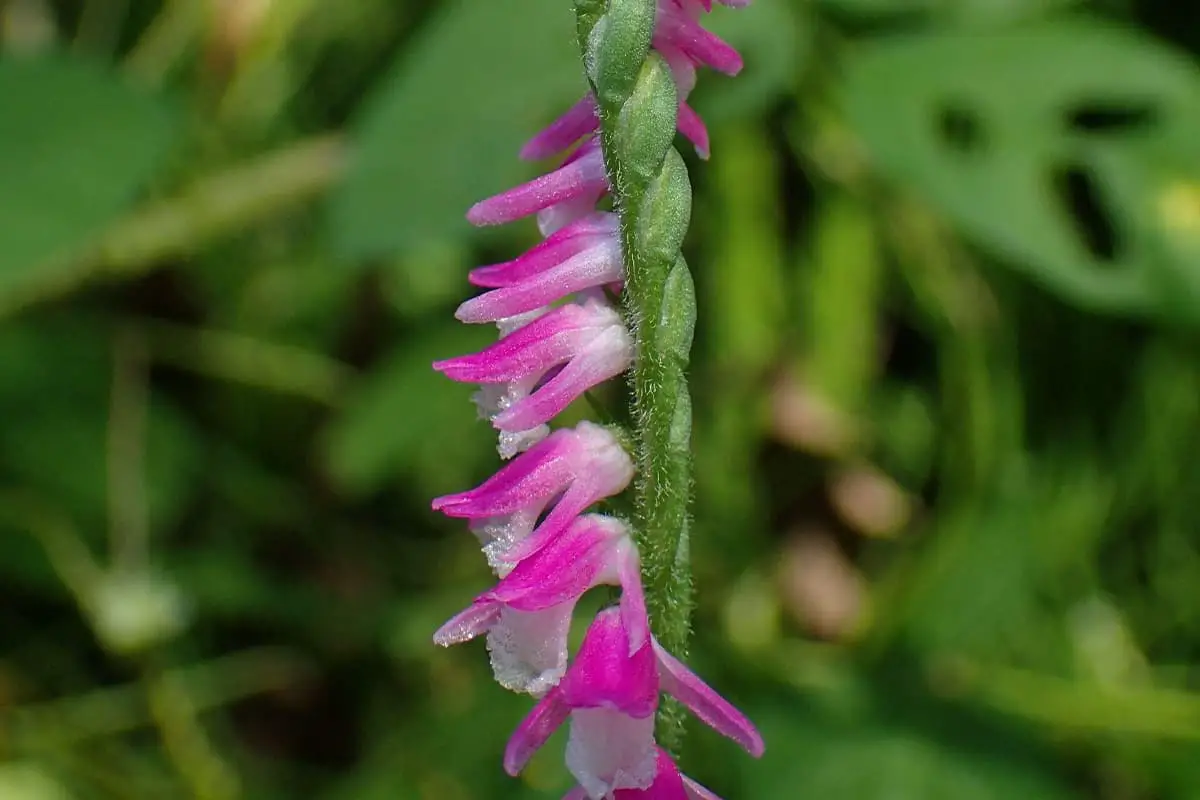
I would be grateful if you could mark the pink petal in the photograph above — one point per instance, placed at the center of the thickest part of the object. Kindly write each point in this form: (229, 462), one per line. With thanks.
(558, 247)
(582, 174)
(469, 623)
(535, 730)
(714, 710)
(606, 355)
(693, 129)
(532, 350)
(579, 121)
(563, 570)
(633, 600)
(604, 675)
(539, 473)
(607, 472)
(700, 45)
(593, 267)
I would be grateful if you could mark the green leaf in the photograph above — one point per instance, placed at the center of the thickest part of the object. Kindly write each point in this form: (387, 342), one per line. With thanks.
(29, 781)
(76, 143)
(408, 420)
(444, 129)
(1059, 147)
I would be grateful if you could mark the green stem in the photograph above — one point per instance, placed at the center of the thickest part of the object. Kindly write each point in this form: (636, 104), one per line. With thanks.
(651, 191)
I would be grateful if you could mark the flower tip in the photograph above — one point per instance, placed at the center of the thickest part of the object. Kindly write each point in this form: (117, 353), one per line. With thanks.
(516, 755)
(485, 213)
(466, 312)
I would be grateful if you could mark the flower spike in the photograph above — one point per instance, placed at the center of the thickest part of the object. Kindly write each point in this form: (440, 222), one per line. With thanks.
(560, 335)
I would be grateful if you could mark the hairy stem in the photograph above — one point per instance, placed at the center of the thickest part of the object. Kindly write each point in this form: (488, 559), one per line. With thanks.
(651, 191)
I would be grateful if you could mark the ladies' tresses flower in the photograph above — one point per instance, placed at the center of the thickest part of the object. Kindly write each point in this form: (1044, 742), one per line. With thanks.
(580, 179)
(669, 784)
(578, 466)
(527, 616)
(574, 262)
(610, 698)
(588, 341)
(676, 28)
(528, 516)
(590, 231)
(493, 399)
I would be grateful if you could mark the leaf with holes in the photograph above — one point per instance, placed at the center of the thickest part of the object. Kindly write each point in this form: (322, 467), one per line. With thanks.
(75, 145)
(1066, 149)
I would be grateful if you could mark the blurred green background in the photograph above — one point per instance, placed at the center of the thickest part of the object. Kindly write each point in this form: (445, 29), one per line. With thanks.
(947, 384)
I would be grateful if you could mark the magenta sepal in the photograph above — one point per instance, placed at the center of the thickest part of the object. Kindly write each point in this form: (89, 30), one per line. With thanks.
(588, 341)
(568, 241)
(581, 120)
(677, 28)
(596, 266)
(580, 177)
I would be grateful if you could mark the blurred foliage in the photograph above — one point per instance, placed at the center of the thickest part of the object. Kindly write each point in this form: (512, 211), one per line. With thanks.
(947, 384)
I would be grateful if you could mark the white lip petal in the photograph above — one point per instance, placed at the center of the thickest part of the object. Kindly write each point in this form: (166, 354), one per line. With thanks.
(608, 750)
(529, 648)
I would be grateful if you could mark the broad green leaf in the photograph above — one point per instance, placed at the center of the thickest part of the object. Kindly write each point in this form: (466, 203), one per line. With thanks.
(444, 129)
(76, 143)
(1059, 147)
(407, 420)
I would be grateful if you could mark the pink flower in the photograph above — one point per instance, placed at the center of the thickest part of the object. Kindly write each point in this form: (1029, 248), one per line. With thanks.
(527, 616)
(676, 28)
(592, 230)
(572, 262)
(580, 180)
(579, 466)
(567, 351)
(610, 698)
(669, 784)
